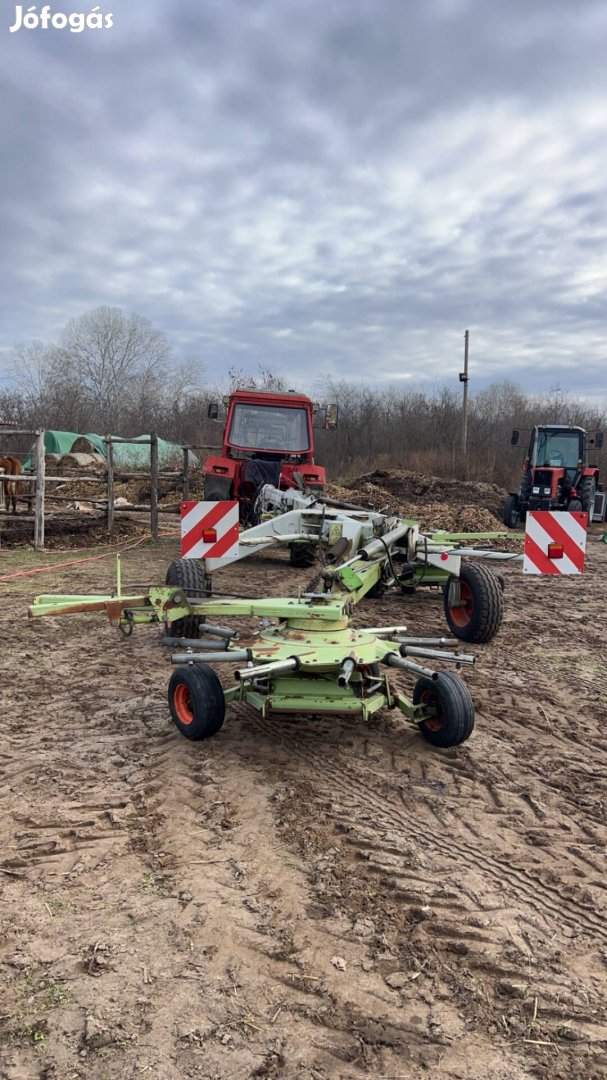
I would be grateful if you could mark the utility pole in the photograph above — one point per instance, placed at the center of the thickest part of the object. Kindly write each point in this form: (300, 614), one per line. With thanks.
(463, 378)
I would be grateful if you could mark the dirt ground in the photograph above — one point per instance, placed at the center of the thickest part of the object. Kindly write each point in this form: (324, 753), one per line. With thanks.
(301, 898)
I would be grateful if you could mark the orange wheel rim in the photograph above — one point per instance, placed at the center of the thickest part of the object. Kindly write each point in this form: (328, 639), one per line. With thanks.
(433, 723)
(462, 612)
(183, 704)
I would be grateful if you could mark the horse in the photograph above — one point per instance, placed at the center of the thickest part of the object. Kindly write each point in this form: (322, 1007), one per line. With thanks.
(10, 466)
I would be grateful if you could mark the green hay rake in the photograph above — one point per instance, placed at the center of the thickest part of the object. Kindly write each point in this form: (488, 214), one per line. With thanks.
(306, 659)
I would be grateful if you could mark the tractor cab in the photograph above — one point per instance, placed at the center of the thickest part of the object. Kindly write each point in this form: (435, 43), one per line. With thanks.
(268, 432)
(268, 439)
(557, 448)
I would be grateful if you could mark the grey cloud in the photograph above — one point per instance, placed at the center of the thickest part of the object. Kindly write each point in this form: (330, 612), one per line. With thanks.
(334, 187)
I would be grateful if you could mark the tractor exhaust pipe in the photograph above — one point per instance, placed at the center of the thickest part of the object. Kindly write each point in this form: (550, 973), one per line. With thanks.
(392, 659)
(275, 667)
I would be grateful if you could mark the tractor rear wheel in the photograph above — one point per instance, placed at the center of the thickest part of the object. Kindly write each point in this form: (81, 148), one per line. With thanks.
(189, 575)
(302, 555)
(511, 511)
(450, 709)
(196, 701)
(474, 603)
(587, 492)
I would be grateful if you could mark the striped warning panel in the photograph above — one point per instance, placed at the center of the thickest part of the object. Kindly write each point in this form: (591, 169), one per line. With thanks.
(209, 530)
(555, 542)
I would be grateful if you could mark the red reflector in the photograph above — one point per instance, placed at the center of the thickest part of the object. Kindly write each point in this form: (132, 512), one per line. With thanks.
(444, 556)
(209, 536)
(555, 551)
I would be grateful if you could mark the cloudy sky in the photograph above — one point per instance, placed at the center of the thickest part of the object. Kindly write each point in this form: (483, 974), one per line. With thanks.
(321, 186)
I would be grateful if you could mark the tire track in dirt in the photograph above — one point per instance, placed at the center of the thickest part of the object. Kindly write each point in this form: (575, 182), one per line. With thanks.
(264, 902)
(392, 810)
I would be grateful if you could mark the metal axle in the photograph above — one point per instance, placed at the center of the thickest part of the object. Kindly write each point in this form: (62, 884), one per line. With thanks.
(237, 656)
(392, 659)
(275, 667)
(345, 672)
(192, 643)
(214, 631)
(436, 654)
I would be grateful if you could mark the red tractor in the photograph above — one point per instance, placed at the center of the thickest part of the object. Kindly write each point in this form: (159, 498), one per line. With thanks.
(556, 473)
(268, 439)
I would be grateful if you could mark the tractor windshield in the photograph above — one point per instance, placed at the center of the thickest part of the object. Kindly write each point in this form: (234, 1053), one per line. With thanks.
(558, 449)
(269, 427)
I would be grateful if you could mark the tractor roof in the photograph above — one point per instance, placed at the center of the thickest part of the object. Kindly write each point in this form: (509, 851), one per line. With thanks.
(560, 427)
(269, 397)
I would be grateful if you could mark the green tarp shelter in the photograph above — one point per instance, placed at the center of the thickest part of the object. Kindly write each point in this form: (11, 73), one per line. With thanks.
(55, 442)
(133, 454)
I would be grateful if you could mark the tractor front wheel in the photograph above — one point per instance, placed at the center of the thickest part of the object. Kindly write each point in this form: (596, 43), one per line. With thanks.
(196, 701)
(512, 511)
(189, 575)
(449, 709)
(474, 603)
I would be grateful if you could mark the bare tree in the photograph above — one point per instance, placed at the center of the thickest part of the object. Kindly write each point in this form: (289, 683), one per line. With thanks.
(112, 358)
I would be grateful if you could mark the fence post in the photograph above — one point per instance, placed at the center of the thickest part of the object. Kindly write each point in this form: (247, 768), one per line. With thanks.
(110, 484)
(186, 474)
(154, 485)
(39, 505)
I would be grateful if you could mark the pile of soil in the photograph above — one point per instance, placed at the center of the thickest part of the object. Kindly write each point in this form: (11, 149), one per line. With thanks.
(436, 502)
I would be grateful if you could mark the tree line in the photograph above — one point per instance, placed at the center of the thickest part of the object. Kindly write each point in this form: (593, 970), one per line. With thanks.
(112, 372)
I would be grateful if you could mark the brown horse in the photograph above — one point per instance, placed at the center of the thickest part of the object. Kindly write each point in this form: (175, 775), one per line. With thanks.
(10, 466)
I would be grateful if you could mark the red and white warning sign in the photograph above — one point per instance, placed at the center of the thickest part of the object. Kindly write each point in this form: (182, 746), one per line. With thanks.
(555, 542)
(209, 530)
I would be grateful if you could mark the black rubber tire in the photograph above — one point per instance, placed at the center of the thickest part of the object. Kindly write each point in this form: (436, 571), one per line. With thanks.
(189, 575)
(511, 511)
(524, 495)
(196, 701)
(575, 504)
(454, 721)
(217, 489)
(480, 620)
(302, 555)
(587, 492)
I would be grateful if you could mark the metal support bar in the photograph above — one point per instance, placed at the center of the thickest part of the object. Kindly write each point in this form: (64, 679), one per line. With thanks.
(212, 631)
(436, 654)
(376, 548)
(193, 643)
(431, 642)
(237, 656)
(275, 667)
(345, 672)
(392, 659)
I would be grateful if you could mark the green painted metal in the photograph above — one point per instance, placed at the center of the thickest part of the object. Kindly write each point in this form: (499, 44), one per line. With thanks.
(428, 575)
(78, 605)
(312, 695)
(350, 579)
(416, 713)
